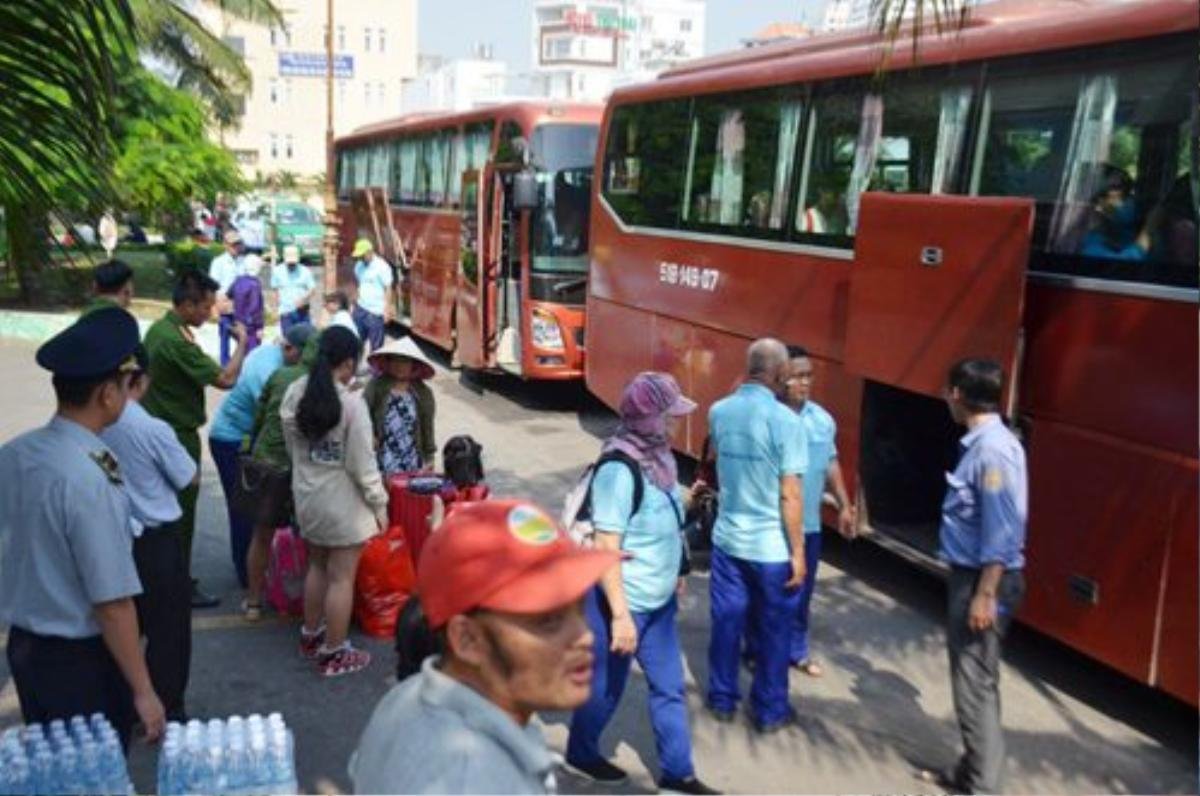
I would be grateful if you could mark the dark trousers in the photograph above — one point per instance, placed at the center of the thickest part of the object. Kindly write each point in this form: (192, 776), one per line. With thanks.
(225, 337)
(661, 660)
(188, 497)
(370, 327)
(165, 614)
(799, 635)
(289, 319)
(58, 678)
(975, 676)
(743, 591)
(241, 529)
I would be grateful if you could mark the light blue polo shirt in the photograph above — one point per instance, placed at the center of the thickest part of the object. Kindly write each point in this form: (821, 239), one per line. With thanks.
(155, 466)
(293, 285)
(225, 269)
(986, 504)
(821, 430)
(758, 440)
(235, 419)
(374, 279)
(651, 535)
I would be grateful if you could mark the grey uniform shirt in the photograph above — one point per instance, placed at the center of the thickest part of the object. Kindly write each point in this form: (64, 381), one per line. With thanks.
(65, 541)
(432, 734)
(154, 465)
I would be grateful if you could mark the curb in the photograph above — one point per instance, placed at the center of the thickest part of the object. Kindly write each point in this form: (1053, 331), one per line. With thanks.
(38, 327)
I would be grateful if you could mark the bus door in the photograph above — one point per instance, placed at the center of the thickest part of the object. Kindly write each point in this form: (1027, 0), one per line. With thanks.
(475, 299)
(935, 279)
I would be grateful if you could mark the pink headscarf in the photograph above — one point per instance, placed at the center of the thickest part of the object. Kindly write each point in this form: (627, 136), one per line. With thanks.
(642, 433)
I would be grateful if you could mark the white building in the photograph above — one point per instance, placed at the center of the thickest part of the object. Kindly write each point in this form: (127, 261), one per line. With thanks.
(582, 50)
(283, 126)
(458, 85)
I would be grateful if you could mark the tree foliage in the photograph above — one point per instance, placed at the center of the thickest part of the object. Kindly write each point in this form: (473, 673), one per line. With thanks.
(165, 158)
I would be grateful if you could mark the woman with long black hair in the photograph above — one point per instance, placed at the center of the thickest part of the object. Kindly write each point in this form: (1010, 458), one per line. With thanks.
(339, 495)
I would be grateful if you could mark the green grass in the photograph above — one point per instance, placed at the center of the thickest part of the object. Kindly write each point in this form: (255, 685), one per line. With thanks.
(68, 282)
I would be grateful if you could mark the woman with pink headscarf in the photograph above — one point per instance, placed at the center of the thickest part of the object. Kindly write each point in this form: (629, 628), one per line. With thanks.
(632, 613)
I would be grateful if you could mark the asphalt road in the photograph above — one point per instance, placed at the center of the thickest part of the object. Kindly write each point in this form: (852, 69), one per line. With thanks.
(882, 709)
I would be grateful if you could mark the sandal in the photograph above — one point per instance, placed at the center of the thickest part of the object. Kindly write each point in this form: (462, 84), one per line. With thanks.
(810, 667)
(343, 660)
(251, 611)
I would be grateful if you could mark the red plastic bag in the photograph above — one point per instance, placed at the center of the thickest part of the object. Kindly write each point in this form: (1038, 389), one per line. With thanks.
(286, 569)
(385, 580)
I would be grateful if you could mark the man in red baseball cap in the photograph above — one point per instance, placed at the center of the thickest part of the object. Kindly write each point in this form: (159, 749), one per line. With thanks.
(502, 585)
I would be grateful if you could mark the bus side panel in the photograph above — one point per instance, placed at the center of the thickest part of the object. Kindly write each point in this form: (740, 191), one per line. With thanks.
(1097, 543)
(1179, 645)
(613, 358)
(1121, 365)
(432, 251)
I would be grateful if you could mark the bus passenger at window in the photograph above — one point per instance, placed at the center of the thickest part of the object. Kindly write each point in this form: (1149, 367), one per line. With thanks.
(758, 210)
(1173, 225)
(828, 215)
(1114, 234)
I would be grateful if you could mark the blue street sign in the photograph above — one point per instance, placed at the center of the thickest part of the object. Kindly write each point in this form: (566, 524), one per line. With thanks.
(313, 65)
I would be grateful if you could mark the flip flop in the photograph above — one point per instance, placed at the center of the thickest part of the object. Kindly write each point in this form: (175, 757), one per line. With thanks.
(811, 668)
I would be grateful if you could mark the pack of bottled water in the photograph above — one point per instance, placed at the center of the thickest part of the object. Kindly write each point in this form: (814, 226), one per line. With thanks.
(80, 756)
(249, 756)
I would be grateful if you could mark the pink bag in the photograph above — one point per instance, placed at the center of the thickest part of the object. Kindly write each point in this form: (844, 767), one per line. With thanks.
(285, 572)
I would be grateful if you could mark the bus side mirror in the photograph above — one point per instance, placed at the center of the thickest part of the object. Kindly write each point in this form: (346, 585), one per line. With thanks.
(525, 190)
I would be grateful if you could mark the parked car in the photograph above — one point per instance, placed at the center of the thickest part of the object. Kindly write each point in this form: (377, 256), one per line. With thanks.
(298, 224)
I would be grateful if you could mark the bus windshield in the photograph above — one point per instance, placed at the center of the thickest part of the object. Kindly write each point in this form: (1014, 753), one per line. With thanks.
(562, 157)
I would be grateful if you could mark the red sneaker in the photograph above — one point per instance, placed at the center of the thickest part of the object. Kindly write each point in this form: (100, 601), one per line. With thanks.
(310, 643)
(344, 660)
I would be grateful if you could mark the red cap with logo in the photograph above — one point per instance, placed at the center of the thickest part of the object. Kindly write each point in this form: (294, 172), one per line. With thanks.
(503, 555)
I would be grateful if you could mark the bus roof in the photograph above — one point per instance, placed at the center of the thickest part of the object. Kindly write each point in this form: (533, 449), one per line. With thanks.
(527, 114)
(995, 29)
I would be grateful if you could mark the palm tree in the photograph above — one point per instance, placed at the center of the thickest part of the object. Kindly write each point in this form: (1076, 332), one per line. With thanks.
(57, 61)
(202, 62)
(893, 17)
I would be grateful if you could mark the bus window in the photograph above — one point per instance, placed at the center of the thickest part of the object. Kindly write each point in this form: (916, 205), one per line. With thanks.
(1106, 153)
(408, 170)
(343, 174)
(508, 150)
(381, 165)
(922, 140)
(421, 185)
(562, 156)
(458, 162)
(396, 178)
(479, 144)
(741, 150)
(823, 214)
(645, 162)
(438, 159)
(360, 158)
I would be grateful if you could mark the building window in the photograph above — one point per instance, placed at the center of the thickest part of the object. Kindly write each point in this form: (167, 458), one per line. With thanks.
(367, 91)
(366, 40)
(273, 90)
(381, 90)
(288, 148)
(341, 88)
(274, 145)
(274, 37)
(341, 42)
(382, 40)
(685, 26)
(235, 43)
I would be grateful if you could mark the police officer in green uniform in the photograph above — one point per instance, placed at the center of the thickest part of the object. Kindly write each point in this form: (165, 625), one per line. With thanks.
(67, 575)
(179, 373)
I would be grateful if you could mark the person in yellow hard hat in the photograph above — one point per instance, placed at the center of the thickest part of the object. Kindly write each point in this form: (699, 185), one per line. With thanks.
(375, 279)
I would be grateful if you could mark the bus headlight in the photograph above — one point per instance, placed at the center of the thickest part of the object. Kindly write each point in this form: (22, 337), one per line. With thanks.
(546, 332)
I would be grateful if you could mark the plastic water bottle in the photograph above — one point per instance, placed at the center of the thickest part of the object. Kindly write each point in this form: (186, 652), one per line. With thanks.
(114, 775)
(43, 774)
(258, 764)
(68, 769)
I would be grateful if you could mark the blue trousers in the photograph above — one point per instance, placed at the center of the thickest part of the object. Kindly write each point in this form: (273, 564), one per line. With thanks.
(224, 325)
(659, 655)
(799, 644)
(743, 591)
(289, 319)
(370, 327)
(241, 529)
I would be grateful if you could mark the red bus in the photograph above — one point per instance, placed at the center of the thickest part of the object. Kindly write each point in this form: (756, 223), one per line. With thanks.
(485, 213)
(1025, 189)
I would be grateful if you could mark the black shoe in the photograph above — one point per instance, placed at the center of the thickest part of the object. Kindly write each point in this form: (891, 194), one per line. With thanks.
(947, 780)
(775, 726)
(202, 600)
(689, 785)
(600, 771)
(722, 716)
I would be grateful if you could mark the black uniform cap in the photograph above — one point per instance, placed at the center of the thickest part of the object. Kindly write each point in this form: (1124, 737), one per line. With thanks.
(97, 344)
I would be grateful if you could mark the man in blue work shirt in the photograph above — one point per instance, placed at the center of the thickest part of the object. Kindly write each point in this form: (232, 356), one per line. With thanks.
(983, 541)
(824, 472)
(157, 468)
(67, 576)
(224, 269)
(294, 287)
(758, 558)
(374, 277)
